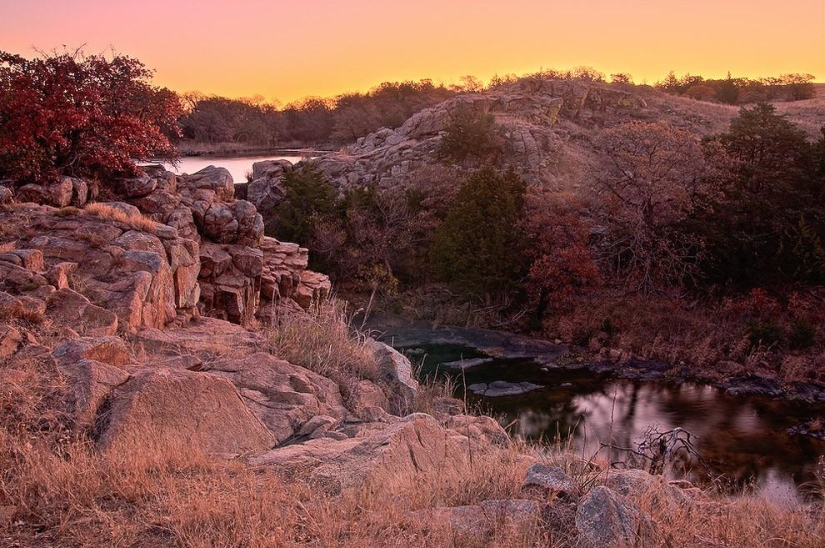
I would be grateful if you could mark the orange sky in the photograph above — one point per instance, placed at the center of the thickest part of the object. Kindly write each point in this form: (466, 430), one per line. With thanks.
(288, 50)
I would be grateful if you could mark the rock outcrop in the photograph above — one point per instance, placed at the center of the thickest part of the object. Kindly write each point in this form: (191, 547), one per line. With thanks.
(180, 409)
(532, 114)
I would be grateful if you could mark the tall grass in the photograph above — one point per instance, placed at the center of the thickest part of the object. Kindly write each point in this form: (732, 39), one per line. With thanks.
(323, 341)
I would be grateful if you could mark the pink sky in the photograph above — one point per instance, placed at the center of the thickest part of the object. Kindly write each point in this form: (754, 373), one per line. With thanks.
(288, 50)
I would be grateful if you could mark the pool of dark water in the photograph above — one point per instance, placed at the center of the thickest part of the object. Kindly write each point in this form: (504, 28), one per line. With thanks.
(744, 439)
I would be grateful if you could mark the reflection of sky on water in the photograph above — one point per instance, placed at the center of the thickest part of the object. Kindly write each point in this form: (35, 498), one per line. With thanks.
(238, 166)
(744, 437)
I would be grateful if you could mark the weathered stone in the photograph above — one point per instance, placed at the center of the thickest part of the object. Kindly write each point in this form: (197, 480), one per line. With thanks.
(80, 191)
(91, 385)
(206, 338)
(284, 396)
(18, 279)
(396, 369)
(58, 274)
(69, 308)
(6, 195)
(31, 259)
(414, 445)
(607, 520)
(10, 307)
(57, 194)
(181, 409)
(544, 482)
(158, 205)
(214, 260)
(216, 179)
(248, 260)
(481, 429)
(10, 340)
(139, 185)
(109, 350)
(497, 389)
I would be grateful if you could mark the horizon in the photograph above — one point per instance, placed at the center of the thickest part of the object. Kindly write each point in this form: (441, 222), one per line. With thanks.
(331, 49)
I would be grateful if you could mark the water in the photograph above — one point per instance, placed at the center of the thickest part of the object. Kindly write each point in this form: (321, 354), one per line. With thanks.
(743, 437)
(238, 166)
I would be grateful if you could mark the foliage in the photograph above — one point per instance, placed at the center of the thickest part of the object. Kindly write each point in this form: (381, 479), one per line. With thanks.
(479, 247)
(80, 115)
(653, 176)
(471, 134)
(773, 203)
(310, 120)
(218, 120)
(388, 105)
(731, 90)
(562, 265)
(310, 200)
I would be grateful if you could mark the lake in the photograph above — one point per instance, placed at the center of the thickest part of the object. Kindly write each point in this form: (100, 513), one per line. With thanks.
(746, 438)
(238, 166)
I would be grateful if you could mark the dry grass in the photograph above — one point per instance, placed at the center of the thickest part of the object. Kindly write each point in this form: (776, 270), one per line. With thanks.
(137, 222)
(747, 521)
(323, 341)
(63, 492)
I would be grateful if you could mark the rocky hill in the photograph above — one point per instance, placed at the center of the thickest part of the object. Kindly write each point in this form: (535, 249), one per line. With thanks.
(549, 125)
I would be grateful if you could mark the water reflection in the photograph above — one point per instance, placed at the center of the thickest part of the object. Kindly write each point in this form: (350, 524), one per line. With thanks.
(743, 437)
(238, 166)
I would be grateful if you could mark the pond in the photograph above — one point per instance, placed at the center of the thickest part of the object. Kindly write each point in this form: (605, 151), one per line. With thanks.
(745, 438)
(238, 166)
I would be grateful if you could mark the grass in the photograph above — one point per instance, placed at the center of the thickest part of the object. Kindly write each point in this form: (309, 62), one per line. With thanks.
(61, 491)
(323, 341)
(135, 221)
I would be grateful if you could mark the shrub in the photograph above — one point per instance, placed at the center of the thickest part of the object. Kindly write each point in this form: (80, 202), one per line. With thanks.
(802, 334)
(471, 134)
(479, 247)
(81, 115)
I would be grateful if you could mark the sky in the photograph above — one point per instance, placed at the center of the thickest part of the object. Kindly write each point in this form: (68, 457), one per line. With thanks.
(288, 50)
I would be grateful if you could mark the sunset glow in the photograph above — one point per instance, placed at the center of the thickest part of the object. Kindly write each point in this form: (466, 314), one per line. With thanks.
(288, 50)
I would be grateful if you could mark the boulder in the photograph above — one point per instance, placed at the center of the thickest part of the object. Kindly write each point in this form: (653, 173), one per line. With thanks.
(545, 482)
(69, 308)
(215, 179)
(30, 259)
(6, 195)
(605, 519)
(18, 279)
(108, 350)
(10, 341)
(396, 369)
(168, 410)
(92, 383)
(416, 444)
(410, 446)
(480, 522)
(58, 194)
(283, 396)
(206, 338)
(139, 185)
(265, 191)
(497, 389)
(484, 430)
(81, 191)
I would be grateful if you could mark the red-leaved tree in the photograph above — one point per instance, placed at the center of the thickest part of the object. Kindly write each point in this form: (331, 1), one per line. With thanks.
(73, 114)
(562, 266)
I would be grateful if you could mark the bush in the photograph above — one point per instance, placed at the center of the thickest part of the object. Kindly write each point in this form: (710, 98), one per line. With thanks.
(79, 115)
(802, 335)
(471, 134)
(479, 247)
